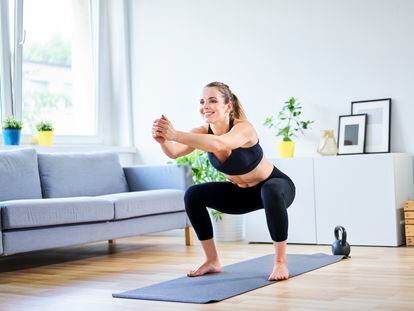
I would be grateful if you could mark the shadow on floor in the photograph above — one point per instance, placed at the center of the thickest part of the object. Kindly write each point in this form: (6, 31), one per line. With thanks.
(66, 254)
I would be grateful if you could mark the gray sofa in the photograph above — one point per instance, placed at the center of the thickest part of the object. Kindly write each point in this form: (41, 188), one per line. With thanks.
(62, 199)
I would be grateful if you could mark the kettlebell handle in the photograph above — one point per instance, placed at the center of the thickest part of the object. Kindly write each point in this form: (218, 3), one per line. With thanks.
(343, 231)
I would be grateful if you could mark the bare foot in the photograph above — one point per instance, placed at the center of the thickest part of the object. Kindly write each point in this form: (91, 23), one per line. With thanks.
(207, 267)
(280, 272)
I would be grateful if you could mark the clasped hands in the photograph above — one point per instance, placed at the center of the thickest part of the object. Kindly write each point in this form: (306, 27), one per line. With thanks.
(163, 130)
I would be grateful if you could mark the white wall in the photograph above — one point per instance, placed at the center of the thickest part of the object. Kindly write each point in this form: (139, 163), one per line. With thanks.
(326, 53)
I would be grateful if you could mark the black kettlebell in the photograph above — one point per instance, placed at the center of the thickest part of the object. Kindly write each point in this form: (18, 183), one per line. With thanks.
(340, 246)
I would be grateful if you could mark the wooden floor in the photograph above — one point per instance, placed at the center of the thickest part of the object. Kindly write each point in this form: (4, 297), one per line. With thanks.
(84, 277)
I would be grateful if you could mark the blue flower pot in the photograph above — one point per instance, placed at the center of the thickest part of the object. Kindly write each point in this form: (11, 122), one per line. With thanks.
(11, 137)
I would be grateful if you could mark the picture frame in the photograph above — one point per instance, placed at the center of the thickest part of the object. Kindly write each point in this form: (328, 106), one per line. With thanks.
(352, 134)
(378, 139)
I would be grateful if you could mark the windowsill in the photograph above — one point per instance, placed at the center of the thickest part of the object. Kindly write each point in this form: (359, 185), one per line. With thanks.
(72, 148)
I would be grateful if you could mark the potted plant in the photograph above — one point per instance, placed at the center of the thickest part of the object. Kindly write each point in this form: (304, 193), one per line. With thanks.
(226, 227)
(44, 133)
(287, 123)
(12, 131)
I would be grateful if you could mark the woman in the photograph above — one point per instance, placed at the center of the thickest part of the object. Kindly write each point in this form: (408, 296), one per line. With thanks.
(254, 183)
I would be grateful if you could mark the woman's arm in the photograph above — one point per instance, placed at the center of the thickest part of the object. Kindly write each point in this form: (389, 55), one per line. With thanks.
(239, 135)
(175, 149)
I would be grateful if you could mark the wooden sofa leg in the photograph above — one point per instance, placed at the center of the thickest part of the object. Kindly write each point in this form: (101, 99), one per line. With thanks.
(188, 236)
(112, 242)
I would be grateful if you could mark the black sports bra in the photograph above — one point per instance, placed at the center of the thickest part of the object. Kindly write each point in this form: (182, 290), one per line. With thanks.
(241, 160)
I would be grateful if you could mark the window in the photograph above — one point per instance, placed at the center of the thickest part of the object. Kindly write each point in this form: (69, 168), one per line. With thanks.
(5, 101)
(1, 100)
(57, 67)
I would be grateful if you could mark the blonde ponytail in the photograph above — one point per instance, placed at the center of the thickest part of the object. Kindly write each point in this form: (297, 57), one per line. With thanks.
(238, 111)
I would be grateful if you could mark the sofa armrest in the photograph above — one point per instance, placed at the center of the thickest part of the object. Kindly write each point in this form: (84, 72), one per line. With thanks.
(151, 177)
(1, 233)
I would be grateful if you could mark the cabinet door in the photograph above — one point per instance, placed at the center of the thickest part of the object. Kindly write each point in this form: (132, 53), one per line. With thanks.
(356, 192)
(301, 212)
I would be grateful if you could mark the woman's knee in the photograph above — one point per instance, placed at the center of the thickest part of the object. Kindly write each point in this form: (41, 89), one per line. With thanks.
(190, 194)
(272, 189)
(194, 195)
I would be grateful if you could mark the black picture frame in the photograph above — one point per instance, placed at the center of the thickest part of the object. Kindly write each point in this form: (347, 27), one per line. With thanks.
(347, 126)
(378, 138)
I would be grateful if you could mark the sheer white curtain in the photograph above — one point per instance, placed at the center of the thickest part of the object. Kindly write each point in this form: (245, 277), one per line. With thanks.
(5, 62)
(115, 72)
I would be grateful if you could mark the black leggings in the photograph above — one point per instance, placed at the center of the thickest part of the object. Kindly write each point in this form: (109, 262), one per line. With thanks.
(275, 195)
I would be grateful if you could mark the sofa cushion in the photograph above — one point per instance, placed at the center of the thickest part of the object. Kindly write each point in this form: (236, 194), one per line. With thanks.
(48, 212)
(150, 202)
(81, 174)
(1, 235)
(19, 175)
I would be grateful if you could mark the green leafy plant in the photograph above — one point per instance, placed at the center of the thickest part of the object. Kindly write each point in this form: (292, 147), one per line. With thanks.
(11, 123)
(288, 121)
(44, 126)
(203, 171)
(217, 215)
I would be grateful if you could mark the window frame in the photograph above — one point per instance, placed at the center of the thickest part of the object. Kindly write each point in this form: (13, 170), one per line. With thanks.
(19, 38)
(5, 78)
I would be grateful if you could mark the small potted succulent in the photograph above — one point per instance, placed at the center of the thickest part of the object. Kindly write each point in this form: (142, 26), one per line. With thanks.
(12, 131)
(44, 133)
(287, 123)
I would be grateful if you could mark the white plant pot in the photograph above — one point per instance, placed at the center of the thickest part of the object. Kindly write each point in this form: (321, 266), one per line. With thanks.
(229, 228)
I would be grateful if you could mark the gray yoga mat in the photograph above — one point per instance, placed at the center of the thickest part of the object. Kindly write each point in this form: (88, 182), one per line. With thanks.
(234, 280)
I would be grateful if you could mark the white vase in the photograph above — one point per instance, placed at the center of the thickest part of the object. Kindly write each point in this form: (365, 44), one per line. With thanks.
(229, 228)
(327, 144)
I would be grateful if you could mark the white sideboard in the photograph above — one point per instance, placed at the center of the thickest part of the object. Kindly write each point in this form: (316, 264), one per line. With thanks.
(363, 193)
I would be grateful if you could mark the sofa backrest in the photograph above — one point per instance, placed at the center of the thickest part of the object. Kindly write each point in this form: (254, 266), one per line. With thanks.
(80, 174)
(19, 175)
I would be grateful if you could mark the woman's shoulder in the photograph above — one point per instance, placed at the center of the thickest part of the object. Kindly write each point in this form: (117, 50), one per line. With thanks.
(248, 129)
(203, 129)
(243, 122)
